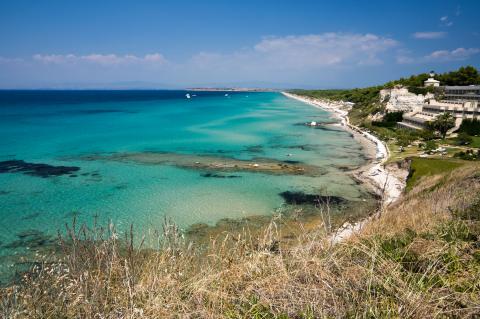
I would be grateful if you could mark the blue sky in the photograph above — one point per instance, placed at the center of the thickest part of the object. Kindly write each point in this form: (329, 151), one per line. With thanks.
(248, 43)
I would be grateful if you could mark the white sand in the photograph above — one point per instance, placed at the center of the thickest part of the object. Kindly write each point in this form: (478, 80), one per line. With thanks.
(386, 182)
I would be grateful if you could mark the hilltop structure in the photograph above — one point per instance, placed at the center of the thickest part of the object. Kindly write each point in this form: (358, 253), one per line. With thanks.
(431, 81)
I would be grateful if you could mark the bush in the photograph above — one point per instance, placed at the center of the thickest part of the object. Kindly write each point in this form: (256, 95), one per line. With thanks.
(384, 124)
(430, 146)
(464, 139)
(427, 135)
(471, 127)
(421, 90)
(393, 117)
(468, 155)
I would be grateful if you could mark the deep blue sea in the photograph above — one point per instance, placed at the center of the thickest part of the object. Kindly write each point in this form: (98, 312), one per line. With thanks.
(46, 136)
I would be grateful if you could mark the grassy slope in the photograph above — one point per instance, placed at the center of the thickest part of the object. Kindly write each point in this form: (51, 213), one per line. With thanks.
(421, 167)
(475, 142)
(420, 258)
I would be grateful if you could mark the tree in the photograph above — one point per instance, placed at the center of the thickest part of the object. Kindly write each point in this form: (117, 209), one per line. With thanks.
(470, 126)
(463, 76)
(443, 123)
(427, 135)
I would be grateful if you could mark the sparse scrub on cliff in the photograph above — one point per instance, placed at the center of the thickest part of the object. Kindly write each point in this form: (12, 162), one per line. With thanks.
(420, 258)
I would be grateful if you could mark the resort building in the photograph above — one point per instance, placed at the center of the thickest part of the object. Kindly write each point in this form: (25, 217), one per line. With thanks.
(462, 93)
(461, 101)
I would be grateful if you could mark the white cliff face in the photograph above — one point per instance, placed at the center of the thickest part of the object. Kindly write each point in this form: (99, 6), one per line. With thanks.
(399, 99)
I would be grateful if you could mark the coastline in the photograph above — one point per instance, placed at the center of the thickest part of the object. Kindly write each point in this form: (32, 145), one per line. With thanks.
(385, 180)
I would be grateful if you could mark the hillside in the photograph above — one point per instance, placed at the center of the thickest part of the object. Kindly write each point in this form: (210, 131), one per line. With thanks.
(367, 100)
(419, 258)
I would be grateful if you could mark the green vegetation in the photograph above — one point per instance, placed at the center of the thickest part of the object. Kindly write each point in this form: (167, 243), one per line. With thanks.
(389, 120)
(421, 167)
(473, 141)
(443, 123)
(463, 76)
(366, 100)
(468, 155)
(464, 139)
(469, 126)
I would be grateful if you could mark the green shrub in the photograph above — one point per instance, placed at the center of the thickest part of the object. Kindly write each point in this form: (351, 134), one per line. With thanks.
(468, 155)
(464, 139)
(427, 135)
(470, 127)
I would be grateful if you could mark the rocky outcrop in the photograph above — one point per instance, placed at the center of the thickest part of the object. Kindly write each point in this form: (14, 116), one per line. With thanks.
(399, 99)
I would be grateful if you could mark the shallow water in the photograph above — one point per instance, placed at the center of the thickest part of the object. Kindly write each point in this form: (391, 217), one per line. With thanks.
(63, 128)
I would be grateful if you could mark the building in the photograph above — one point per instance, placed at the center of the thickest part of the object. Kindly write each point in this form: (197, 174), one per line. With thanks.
(460, 110)
(461, 101)
(462, 93)
(431, 81)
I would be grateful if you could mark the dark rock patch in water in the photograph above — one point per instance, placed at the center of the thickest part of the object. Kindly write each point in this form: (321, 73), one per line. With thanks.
(101, 111)
(303, 147)
(31, 216)
(120, 186)
(292, 162)
(254, 149)
(301, 198)
(30, 238)
(345, 168)
(214, 175)
(35, 169)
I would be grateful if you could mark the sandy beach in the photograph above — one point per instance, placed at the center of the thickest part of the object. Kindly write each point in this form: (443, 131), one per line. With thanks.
(388, 181)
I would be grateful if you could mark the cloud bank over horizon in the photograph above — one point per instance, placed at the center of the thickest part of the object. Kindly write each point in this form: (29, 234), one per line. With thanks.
(285, 59)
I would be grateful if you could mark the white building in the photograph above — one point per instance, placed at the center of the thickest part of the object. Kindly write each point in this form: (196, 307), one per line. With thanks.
(431, 81)
(460, 101)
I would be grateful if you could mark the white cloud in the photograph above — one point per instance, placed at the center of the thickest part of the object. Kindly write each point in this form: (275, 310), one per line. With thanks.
(446, 21)
(458, 54)
(4, 60)
(326, 49)
(155, 57)
(314, 51)
(102, 59)
(429, 35)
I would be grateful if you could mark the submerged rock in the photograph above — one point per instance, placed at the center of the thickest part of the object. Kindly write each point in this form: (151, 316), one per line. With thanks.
(301, 198)
(254, 149)
(30, 238)
(214, 175)
(35, 169)
(210, 163)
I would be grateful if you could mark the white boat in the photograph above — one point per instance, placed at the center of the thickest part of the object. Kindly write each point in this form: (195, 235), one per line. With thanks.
(187, 95)
(226, 94)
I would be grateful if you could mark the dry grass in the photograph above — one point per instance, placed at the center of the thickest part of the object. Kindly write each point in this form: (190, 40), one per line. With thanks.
(419, 259)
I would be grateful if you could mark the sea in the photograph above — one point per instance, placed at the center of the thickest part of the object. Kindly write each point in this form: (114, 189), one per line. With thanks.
(138, 157)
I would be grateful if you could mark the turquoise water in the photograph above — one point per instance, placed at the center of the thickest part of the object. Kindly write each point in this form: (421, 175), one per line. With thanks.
(61, 128)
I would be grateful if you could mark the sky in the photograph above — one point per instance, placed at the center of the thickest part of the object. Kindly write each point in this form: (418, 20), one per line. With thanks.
(264, 43)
